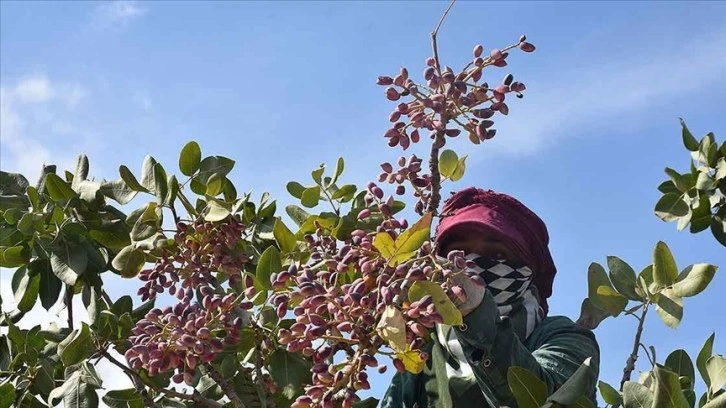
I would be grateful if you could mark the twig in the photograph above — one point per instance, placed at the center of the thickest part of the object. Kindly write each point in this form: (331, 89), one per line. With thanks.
(436, 32)
(148, 401)
(647, 354)
(69, 305)
(258, 369)
(435, 198)
(139, 385)
(107, 298)
(630, 363)
(224, 385)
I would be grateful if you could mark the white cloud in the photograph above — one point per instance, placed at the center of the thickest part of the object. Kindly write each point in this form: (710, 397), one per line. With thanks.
(116, 14)
(36, 114)
(558, 102)
(34, 89)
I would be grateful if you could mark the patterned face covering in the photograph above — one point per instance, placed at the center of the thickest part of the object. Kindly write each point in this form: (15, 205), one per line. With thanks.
(505, 280)
(510, 283)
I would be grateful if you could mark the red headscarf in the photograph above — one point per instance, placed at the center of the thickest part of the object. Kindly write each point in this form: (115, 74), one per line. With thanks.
(505, 219)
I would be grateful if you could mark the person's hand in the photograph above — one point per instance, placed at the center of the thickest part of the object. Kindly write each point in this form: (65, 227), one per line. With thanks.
(468, 292)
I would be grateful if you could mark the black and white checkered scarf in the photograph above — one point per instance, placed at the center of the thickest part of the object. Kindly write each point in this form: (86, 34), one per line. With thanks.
(516, 297)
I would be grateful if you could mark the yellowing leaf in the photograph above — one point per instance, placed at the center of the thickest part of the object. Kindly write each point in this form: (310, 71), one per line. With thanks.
(392, 328)
(384, 244)
(412, 361)
(444, 306)
(406, 244)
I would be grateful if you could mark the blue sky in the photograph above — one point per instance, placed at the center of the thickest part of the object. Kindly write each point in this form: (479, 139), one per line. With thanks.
(283, 86)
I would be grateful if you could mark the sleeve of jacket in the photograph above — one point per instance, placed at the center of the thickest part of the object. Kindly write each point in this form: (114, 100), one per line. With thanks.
(491, 347)
(402, 391)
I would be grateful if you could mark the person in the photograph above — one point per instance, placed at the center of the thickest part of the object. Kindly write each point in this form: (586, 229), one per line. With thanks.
(505, 321)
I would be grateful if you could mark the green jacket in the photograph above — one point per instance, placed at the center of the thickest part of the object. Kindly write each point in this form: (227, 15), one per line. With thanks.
(553, 352)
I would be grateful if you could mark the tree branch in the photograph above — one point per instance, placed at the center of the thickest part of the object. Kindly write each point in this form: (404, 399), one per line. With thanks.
(435, 198)
(436, 32)
(69, 305)
(630, 363)
(224, 385)
(139, 385)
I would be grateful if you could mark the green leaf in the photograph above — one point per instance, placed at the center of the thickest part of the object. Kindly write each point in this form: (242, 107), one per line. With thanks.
(297, 214)
(34, 197)
(636, 395)
(13, 256)
(50, 285)
(670, 207)
(310, 197)
(81, 173)
(718, 229)
(718, 402)
(530, 391)
(667, 392)
(58, 188)
(171, 196)
(703, 355)
(213, 165)
(694, 279)
(112, 234)
(160, 187)
(216, 211)
(667, 187)
(147, 224)
(119, 191)
(448, 162)
(295, 189)
(269, 263)
(609, 394)
(190, 158)
(317, 174)
(665, 271)
(721, 168)
(128, 398)
(578, 385)
(716, 369)
(392, 328)
(339, 166)
(148, 178)
(129, 261)
(369, 402)
(680, 363)
(214, 185)
(12, 183)
(444, 306)
(26, 291)
(284, 237)
(590, 315)
(613, 302)
(289, 371)
(7, 395)
(670, 308)
(701, 215)
(684, 182)
(704, 182)
(77, 346)
(460, 169)
(68, 262)
(128, 177)
(597, 277)
(76, 392)
(689, 141)
(345, 193)
(623, 277)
